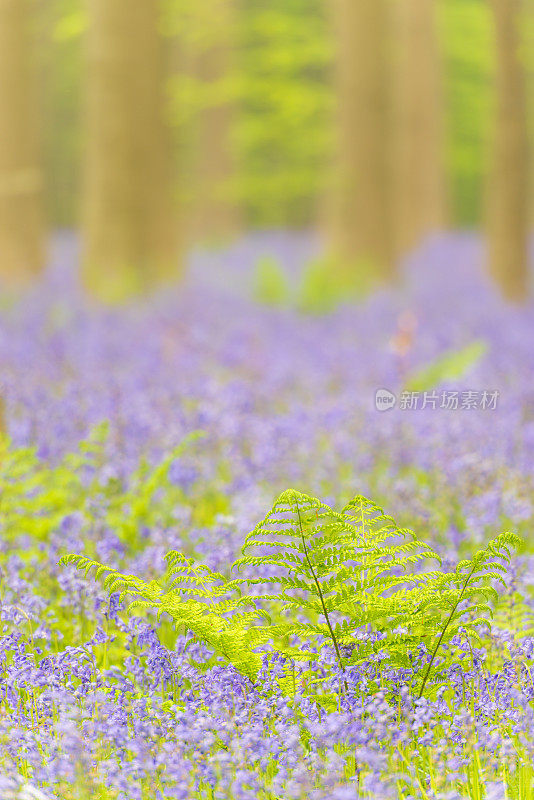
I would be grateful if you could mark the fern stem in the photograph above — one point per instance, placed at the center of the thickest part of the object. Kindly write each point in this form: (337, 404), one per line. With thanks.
(321, 598)
(442, 634)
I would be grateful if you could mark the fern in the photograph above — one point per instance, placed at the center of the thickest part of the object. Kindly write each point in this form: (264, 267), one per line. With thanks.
(350, 568)
(300, 534)
(516, 613)
(466, 594)
(197, 598)
(127, 511)
(35, 497)
(515, 609)
(329, 575)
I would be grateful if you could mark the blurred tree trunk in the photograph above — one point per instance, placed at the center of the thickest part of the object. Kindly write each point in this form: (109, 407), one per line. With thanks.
(420, 205)
(128, 215)
(217, 214)
(508, 186)
(361, 207)
(22, 243)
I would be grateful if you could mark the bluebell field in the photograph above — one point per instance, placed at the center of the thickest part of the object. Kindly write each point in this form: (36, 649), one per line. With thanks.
(172, 425)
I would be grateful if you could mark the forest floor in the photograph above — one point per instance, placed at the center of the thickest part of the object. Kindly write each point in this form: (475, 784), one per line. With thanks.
(172, 424)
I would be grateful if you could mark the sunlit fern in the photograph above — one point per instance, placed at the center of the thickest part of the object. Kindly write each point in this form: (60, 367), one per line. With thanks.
(340, 568)
(197, 599)
(462, 600)
(330, 578)
(515, 613)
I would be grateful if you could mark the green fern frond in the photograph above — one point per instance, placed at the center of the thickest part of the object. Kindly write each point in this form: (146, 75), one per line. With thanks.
(471, 579)
(329, 575)
(220, 622)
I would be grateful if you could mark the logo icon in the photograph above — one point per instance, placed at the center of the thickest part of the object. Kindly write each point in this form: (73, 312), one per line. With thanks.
(384, 400)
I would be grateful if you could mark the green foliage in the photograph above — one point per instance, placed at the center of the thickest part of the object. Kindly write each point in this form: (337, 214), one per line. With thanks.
(71, 25)
(317, 293)
(196, 598)
(271, 284)
(283, 134)
(468, 71)
(320, 290)
(329, 576)
(340, 566)
(281, 83)
(128, 509)
(326, 282)
(449, 367)
(514, 612)
(36, 497)
(466, 594)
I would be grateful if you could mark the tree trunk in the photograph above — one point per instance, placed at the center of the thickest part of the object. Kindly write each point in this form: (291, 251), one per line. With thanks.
(128, 218)
(418, 127)
(22, 243)
(361, 210)
(508, 186)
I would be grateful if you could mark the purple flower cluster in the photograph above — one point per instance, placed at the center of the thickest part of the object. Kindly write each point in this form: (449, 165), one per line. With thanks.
(124, 707)
(161, 721)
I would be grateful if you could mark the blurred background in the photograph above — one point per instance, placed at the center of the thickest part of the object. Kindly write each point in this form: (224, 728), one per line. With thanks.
(141, 131)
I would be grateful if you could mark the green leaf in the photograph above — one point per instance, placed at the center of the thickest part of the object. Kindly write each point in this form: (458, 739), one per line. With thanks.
(449, 367)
